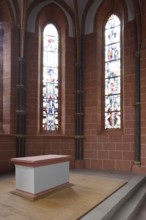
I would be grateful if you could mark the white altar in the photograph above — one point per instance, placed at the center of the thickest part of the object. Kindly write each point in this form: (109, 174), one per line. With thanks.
(38, 175)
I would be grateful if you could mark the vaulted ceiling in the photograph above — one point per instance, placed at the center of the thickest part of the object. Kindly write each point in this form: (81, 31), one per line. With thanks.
(73, 9)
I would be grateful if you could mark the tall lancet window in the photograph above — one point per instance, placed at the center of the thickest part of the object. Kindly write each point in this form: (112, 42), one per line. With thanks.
(50, 90)
(112, 79)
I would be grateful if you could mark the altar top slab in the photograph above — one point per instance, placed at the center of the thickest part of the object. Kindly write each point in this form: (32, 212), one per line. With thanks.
(41, 160)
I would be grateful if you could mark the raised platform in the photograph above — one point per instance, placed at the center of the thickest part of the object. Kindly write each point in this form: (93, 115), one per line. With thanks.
(123, 204)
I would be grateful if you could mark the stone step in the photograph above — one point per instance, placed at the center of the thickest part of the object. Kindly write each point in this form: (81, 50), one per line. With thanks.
(120, 201)
(131, 206)
(141, 212)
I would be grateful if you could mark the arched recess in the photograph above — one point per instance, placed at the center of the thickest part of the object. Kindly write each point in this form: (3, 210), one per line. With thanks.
(95, 5)
(35, 8)
(53, 14)
(112, 7)
(6, 63)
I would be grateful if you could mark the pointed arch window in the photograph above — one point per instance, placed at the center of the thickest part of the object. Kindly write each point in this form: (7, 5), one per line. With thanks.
(50, 79)
(112, 74)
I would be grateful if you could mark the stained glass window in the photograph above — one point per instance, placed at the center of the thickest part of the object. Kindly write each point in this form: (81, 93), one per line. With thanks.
(50, 91)
(112, 73)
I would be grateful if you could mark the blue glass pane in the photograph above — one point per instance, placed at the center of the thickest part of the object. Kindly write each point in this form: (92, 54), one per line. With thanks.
(50, 78)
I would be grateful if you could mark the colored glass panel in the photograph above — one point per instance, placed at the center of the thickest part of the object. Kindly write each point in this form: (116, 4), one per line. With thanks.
(112, 69)
(112, 73)
(112, 103)
(112, 22)
(112, 120)
(112, 86)
(112, 35)
(112, 52)
(50, 78)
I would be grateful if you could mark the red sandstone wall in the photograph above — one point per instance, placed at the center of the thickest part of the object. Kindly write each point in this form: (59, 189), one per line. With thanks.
(102, 150)
(110, 150)
(8, 96)
(142, 167)
(7, 151)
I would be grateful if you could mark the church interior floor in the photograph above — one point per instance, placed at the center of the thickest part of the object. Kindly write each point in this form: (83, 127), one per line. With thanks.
(13, 207)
